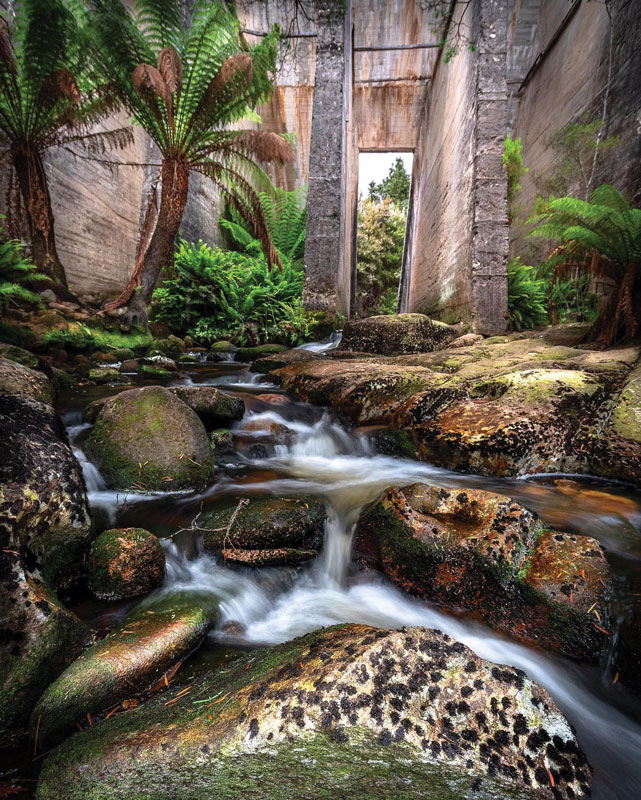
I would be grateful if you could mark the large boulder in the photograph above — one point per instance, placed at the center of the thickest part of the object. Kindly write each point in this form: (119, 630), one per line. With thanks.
(148, 439)
(125, 562)
(483, 553)
(215, 408)
(45, 531)
(153, 638)
(282, 530)
(347, 712)
(395, 334)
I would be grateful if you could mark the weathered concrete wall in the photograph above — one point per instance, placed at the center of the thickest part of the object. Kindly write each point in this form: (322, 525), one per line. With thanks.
(571, 83)
(325, 196)
(459, 235)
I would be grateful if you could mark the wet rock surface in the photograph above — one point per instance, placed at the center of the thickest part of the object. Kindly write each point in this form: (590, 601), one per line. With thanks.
(45, 532)
(483, 553)
(17, 379)
(503, 406)
(125, 562)
(345, 712)
(155, 636)
(149, 439)
(215, 408)
(395, 334)
(283, 530)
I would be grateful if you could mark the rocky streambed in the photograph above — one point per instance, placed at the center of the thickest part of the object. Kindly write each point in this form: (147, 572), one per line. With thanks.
(482, 636)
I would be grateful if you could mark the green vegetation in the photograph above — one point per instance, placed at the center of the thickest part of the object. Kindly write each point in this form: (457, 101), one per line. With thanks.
(381, 234)
(513, 161)
(46, 100)
(527, 296)
(184, 85)
(218, 294)
(16, 272)
(79, 338)
(396, 186)
(601, 237)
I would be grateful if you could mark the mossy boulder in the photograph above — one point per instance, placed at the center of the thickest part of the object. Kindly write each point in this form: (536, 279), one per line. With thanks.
(248, 354)
(284, 524)
(17, 379)
(152, 372)
(107, 375)
(395, 334)
(392, 442)
(149, 439)
(485, 554)
(273, 361)
(125, 562)
(215, 408)
(127, 662)
(170, 347)
(348, 712)
(19, 355)
(45, 532)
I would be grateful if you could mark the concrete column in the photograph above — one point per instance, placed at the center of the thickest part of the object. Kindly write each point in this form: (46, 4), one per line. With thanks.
(490, 225)
(323, 242)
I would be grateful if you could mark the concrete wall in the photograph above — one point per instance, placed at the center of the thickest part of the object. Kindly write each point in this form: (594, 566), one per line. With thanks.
(459, 236)
(570, 82)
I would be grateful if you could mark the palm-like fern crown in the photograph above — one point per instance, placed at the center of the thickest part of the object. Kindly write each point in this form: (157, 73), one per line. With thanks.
(46, 97)
(185, 83)
(606, 225)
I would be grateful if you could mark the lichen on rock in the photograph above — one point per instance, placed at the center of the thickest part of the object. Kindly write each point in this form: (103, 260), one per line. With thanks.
(125, 562)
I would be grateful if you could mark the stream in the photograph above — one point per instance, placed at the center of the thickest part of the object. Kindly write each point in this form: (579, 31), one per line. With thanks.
(323, 458)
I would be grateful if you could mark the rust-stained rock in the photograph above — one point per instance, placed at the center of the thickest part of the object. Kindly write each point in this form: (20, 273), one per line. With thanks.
(568, 569)
(272, 361)
(349, 712)
(472, 550)
(152, 639)
(394, 334)
(125, 562)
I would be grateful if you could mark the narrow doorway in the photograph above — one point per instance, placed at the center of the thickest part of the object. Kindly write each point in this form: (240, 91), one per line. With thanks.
(384, 183)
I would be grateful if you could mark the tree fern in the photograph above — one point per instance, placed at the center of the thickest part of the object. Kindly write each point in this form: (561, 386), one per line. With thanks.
(16, 273)
(47, 99)
(603, 236)
(184, 82)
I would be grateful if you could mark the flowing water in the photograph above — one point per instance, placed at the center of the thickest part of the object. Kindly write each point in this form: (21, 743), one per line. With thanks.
(320, 457)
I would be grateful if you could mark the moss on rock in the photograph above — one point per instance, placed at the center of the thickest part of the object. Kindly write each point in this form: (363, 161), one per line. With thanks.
(125, 562)
(395, 334)
(215, 408)
(149, 439)
(408, 714)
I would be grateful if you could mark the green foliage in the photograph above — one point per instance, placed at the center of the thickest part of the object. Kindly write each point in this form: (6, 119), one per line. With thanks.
(185, 84)
(79, 338)
(605, 225)
(16, 272)
(286, 217)
(577, 143)
(47, 95)
(527, 296)
(396, 186)
(381, 234)
(218, 294)
(513, 161)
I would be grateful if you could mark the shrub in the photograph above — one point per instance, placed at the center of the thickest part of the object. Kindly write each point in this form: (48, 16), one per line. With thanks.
(600, 237)
(16, 271)
(513, 161)
(220, 294)
(527, 296)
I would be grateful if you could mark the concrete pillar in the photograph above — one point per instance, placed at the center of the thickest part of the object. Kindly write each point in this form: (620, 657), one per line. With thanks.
(490, 225)
(323, 242)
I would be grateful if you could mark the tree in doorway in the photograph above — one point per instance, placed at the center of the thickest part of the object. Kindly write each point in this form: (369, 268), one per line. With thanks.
(396, 186)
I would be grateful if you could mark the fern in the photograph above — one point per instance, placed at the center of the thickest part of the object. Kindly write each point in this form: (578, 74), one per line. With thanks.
(218, 294)
(16, 270)
(600, 236)
(527, 296)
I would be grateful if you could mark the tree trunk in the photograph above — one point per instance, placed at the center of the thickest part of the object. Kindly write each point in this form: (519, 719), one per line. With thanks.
(173, 199)
(32, 179)
(619, 320)
(160, 252)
